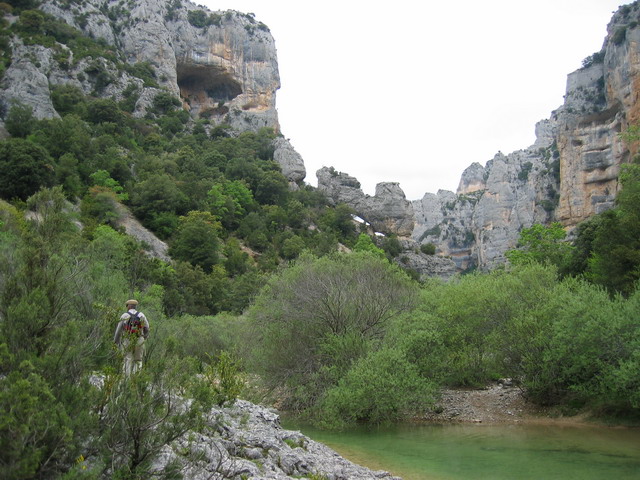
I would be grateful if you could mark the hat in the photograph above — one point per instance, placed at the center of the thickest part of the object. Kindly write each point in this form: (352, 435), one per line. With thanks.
(131, 302)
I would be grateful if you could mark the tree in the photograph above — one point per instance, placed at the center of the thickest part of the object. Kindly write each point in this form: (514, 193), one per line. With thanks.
(67, 174)
(66, 98)
(196, 240)
(542, 244)
(25, 168)
(104, 110)
(155, 195)
(339, 220)
(292, 247)
(34, 426)
(314, 318)
(20, 120)
(142, 414)
(365, 244)
(272, 188)
(615, 259)
(101, 178)
(32, 21)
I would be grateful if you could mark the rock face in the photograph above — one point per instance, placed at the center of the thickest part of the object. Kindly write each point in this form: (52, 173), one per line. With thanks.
(246, 441)
(222, 65)
(387, 211)
(155, 247)
(569, 174)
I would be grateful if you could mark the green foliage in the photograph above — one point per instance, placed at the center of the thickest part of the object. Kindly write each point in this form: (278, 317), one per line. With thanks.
(196, 240)
(141, 416)
(523, 174)
(25, 168)
(31, 21)
(144, 71)
(542, 244)
(223, 374)
(20, 120)
(381, 388)
(581, 348)
(607, 246)
(467, 321)
(165, 102)
(99, 206)
(104, 110)
(615, 256)
(619, 36)
(391, 246)
(365, 244)
(339, 220)
(34, 426)
(320, 305)
(428, 248)
(593, 59)
(198, 18)
(101, 178)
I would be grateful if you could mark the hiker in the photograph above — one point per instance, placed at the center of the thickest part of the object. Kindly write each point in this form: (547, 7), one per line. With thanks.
(131, 332)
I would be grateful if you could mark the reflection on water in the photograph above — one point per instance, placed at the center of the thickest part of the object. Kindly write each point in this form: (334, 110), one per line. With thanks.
(496, 452)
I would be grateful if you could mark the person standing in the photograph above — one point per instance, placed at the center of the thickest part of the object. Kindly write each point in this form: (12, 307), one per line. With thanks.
(131, 333)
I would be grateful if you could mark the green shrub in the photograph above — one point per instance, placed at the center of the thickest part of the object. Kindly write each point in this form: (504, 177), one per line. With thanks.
(428, 248)
(380, 388)
(198, 18)
(619, 35)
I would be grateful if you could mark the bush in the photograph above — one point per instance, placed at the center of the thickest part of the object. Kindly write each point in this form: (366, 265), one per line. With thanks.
(619, 35)
(428, 248)
(198, 18)
(321, 305)
(382, 387)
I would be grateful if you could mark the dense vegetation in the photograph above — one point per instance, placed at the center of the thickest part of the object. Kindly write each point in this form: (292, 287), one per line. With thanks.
(257, 301)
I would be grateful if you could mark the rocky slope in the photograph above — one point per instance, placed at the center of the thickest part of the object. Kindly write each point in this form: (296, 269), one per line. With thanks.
(569, 174)
(222, 65)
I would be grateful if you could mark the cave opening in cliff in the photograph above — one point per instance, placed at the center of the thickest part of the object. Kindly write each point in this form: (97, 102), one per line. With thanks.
(206, 84)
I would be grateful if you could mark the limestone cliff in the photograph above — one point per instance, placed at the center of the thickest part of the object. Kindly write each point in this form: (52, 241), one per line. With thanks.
(569, 174)
(222, 65)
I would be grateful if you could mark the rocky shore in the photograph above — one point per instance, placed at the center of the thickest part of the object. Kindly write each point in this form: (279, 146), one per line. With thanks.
(246, 442)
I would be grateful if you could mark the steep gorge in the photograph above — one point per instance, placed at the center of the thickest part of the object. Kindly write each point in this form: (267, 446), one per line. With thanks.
(569, 174)
(223, 66)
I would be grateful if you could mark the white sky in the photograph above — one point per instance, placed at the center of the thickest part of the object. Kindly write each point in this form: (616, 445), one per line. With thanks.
(414, 91)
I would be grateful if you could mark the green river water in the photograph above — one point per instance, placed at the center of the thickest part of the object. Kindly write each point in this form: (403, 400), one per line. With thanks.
(496, 452)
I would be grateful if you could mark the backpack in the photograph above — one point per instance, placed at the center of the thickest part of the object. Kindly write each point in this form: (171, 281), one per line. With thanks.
(133, 324)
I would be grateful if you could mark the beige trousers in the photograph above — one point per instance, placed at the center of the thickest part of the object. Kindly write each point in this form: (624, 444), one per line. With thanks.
(132, 356)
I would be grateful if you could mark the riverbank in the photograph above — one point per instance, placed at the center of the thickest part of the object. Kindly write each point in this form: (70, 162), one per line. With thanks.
(498, 403)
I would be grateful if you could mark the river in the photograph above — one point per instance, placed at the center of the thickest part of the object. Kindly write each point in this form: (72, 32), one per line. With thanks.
(496, 452)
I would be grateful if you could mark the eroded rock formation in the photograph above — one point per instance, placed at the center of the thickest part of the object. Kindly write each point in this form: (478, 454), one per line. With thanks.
(387, 211)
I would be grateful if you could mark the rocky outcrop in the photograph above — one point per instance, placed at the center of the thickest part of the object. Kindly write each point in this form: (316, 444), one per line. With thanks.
(222, 65)
(246, 441)
(289, 160)
(388, 211)
(155, 247)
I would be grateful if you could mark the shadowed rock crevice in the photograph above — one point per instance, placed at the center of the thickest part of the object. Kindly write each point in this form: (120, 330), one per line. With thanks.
(206, 87)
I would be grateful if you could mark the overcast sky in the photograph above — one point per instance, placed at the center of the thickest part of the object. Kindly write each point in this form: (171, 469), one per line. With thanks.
(416, 91)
